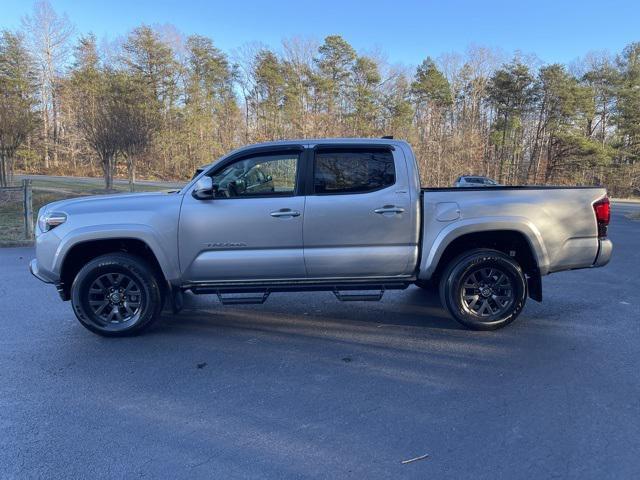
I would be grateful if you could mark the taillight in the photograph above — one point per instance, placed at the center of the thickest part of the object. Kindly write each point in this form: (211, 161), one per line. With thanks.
(603, 215)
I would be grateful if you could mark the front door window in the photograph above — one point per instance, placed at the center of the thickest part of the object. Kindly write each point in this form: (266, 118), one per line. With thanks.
(266, 175)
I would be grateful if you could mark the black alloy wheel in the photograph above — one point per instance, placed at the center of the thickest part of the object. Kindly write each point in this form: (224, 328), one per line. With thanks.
(483, 289)
(116, 295)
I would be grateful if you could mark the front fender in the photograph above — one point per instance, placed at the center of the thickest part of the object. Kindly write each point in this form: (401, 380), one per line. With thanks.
(168, 263)
(451, 231)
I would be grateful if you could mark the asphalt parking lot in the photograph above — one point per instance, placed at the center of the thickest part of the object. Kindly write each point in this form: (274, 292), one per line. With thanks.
(305, 386)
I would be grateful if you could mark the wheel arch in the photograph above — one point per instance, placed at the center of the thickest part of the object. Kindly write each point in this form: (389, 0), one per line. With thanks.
(514, 239)
(79, 253)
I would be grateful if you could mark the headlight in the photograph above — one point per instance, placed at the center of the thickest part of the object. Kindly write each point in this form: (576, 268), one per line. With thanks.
(51, 220)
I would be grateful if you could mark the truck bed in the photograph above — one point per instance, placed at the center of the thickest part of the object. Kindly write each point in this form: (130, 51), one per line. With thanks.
(558, 222)
(509, 187)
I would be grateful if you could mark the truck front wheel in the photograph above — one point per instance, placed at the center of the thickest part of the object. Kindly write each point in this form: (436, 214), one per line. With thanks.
(116, 295)
(483, 289)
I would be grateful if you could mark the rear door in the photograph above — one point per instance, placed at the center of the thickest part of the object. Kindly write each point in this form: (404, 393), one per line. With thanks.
(358, 221)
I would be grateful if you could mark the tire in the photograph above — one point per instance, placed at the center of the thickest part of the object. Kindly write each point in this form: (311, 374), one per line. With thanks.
(116, 295)
(483, 289)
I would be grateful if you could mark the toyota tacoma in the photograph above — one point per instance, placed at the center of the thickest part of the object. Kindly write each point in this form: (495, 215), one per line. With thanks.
(342, 215)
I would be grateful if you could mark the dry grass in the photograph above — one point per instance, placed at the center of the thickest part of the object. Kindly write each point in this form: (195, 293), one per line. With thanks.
(12, 232)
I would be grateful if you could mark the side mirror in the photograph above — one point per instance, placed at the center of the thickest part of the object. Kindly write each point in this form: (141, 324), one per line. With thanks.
(204, 189)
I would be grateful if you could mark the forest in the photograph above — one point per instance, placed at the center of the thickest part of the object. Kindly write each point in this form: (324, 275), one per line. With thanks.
(158, 104)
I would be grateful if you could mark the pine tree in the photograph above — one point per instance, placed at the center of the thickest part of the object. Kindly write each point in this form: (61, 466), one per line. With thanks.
(269, 93)
(432, 96)
(511, 91)
(565, 108)
(628, 117)
(17, 84)
(210, 104)
(335, 61)
(365, 96)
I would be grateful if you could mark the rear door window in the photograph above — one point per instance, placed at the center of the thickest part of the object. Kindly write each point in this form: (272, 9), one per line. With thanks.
(352, 171)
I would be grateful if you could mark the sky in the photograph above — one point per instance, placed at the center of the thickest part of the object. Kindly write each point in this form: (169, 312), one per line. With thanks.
(404, 31)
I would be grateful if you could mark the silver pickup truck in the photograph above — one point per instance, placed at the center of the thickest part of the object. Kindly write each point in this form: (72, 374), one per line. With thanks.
(342, 215)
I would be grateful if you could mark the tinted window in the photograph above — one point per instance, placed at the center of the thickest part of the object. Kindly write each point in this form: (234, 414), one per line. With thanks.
(474, 180)
(354, 171)
(258, 176)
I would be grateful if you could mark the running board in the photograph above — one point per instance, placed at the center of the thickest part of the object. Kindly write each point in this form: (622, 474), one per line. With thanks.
(359, 297)
(257, 293)
(259, 288)
(242, 300)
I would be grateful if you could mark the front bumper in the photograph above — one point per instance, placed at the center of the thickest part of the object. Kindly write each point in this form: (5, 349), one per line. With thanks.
(36, 272)
(605, 249)
(41, 275)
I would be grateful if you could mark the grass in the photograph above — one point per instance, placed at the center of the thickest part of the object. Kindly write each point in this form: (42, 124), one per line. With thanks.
(89, 186)
(12, 220)
(46, 191)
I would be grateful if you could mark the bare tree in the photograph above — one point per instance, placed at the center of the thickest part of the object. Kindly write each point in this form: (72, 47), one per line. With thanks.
(98, 118)
(244, 60)
(298, 61)
(48, 36)
(133, 121)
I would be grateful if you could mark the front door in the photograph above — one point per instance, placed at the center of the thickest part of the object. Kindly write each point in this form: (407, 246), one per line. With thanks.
(252, 229)
(359, 218)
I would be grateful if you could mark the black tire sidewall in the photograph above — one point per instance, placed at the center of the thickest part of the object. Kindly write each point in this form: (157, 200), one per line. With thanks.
(452, 283)
(112, 263)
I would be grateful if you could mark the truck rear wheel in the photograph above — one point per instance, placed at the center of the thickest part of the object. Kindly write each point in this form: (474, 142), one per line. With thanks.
(116, 295)
(483, 289)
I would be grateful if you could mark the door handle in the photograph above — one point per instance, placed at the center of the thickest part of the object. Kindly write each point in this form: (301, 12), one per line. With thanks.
(389, 209)
(285, 212)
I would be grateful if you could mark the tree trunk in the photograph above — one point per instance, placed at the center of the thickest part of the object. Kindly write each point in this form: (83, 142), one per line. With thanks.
(110, 179)
(550, 161)
(131, 167)
(107, 167)
(502, 147)
(56, 126)
(604, 121)
(45, 135)
(4, 182)
(537, 148)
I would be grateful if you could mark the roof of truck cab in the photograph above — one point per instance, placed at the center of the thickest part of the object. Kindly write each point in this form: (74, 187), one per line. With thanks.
(310, 142)
(315, 141)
